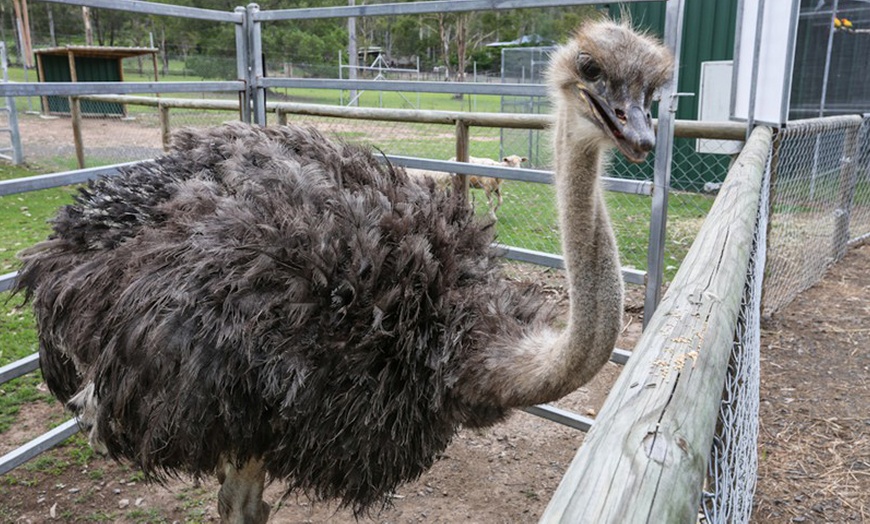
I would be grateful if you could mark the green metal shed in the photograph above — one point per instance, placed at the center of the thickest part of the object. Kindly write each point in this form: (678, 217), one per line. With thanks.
(86, 64)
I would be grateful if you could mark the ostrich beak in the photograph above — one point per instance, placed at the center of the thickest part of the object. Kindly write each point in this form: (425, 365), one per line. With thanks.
(630, 129)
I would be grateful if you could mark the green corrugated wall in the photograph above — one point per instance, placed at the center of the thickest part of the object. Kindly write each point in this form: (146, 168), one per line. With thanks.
(56, 69)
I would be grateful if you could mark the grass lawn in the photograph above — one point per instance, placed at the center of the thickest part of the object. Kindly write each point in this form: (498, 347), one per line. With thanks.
(24, 218)
(528, 219)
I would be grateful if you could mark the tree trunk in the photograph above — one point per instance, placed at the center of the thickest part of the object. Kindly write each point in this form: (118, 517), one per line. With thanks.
(51, 25)
(163, 54)
(98, 27)
(3, 22)
(28, 42)
(444, 33)
(461, 47)
(352, 56)
(89, 28)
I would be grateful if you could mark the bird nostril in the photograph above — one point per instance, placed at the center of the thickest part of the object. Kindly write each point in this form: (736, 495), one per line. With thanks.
(620, 114)
(647, 143)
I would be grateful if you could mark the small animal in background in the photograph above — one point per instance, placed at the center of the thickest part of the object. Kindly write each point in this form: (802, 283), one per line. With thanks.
(492, 186)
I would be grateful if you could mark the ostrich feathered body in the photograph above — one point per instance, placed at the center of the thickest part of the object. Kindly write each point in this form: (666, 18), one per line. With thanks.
(272, 293)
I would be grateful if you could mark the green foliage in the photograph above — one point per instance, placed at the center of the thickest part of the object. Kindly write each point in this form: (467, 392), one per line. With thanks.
(301, 44)
(487, 59)
(202, 45)
(211, 67)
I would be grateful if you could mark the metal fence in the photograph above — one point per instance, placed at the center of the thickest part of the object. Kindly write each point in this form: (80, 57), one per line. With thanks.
(821, 202)
(526, 218)
(820, 191)
(733, 465)
(254, 88)
(10, 138)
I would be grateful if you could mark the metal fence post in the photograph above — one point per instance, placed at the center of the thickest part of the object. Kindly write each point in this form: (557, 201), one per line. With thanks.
(17, 156)
(846, 191)
(242, 65)
(663, 157)
(256, 66)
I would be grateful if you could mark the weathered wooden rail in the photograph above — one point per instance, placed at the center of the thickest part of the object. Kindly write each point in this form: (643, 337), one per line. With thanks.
(682, 128)
(645, 458)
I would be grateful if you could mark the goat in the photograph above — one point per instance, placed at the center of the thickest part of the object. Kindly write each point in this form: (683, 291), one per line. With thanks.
(491, 186)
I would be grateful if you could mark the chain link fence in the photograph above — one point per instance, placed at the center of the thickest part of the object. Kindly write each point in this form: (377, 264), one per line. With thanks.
(821, 202)
(733, 465)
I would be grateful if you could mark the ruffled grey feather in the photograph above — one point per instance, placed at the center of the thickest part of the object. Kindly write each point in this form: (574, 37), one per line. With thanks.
(272, 293)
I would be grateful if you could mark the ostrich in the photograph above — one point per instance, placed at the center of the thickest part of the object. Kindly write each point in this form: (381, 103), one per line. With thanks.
(264, 303)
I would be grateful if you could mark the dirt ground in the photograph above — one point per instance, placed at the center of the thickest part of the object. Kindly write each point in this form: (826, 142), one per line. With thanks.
(814, 446)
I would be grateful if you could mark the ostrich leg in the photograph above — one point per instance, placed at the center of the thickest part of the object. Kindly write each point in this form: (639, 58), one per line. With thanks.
(240, 499)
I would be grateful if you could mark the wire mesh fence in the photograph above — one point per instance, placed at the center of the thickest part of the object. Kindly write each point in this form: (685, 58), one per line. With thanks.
(820, 202)
(733, 465)
(859, 213)
(821, 181)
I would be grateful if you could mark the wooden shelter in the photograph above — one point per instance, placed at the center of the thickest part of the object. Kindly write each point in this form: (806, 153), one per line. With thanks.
(86, 64)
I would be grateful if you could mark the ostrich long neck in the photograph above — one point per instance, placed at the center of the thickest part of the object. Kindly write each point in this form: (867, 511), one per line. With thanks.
(546, 365)
(589, 248)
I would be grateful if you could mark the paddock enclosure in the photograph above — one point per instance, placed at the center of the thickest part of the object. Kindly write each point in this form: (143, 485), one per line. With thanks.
(676, 439)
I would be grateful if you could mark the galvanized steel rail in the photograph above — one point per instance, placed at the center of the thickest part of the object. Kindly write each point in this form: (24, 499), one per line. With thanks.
(151, 8)
(37, 446)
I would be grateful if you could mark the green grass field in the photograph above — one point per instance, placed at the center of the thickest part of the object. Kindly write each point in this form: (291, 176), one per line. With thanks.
(24, 222)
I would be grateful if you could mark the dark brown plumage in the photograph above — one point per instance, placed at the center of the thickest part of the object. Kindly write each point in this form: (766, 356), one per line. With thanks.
(272, 294)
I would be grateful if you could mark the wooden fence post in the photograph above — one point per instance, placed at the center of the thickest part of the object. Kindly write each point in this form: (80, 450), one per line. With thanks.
(645, 458)
(165, 129)
(461, 181)
(76, 113)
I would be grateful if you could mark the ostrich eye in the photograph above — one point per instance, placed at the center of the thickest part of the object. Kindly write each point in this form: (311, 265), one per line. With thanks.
(589, 68)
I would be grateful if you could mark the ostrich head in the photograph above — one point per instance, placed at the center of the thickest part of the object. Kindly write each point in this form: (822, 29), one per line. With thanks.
(605, 79)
